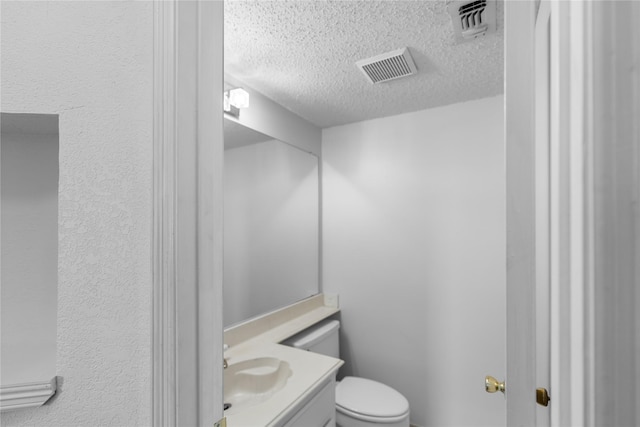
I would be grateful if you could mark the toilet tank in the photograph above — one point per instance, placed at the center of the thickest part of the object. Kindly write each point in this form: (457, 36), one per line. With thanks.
(323, 338)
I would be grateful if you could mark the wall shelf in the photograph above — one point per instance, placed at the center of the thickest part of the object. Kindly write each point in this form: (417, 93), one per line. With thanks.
(31, 395)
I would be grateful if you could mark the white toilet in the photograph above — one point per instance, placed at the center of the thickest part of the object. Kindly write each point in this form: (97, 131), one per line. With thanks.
(359, 402)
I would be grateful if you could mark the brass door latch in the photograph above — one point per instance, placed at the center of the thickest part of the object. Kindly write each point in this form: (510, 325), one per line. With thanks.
(542, 396)
(492, 385)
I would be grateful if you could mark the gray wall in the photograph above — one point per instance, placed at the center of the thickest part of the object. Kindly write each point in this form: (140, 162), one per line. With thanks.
(615, 382)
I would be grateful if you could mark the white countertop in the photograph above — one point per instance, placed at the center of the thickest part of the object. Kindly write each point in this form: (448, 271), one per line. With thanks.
(259, 338)
(308, 370)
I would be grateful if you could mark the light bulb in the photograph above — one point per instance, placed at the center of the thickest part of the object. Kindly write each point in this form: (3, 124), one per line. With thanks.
(239, 98)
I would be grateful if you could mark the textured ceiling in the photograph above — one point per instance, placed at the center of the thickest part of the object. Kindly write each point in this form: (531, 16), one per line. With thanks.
(302, 55)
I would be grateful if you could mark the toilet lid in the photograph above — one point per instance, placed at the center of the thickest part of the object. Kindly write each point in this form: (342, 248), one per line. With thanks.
(370, 398)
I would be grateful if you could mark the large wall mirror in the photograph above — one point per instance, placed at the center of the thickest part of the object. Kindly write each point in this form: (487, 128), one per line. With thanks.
(271, 223)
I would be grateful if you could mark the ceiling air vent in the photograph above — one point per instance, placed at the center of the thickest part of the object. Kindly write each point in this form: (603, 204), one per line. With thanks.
(472, 19)
(388, 66)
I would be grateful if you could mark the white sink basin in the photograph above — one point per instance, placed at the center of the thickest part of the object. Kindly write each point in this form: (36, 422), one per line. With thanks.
(253, 381)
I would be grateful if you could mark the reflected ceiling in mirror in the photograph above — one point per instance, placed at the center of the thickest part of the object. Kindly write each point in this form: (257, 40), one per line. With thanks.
(271, 224)
(237, 135)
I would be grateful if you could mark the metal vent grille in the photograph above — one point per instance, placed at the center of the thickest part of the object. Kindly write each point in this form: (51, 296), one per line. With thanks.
(388, 66)
(471, 15)
(472, 19)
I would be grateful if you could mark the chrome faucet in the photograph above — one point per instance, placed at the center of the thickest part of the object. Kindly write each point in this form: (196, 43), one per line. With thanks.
(225, 365)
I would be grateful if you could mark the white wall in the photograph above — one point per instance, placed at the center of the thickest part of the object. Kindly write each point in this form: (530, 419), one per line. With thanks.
(271, 232)
(92, 63)
(29, 272)
(414, 243)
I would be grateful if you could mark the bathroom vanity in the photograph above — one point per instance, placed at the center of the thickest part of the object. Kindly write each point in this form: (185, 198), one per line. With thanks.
(270, 384)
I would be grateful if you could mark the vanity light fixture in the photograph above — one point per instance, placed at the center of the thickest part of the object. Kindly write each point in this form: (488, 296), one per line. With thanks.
(234, 100)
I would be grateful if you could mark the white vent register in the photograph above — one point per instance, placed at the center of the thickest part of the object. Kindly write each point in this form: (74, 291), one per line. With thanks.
(472, 18)
(388, 66)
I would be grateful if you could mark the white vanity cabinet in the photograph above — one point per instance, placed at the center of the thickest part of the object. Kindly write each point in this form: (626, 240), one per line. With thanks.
(317, 410)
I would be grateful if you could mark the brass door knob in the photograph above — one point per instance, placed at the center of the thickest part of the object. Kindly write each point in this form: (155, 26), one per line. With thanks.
(491, 385)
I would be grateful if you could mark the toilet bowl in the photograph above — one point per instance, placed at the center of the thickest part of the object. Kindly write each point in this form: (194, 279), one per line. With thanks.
(360, 402)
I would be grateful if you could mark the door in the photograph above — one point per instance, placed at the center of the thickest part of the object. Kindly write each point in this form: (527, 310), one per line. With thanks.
(543, 232)
(527, 56)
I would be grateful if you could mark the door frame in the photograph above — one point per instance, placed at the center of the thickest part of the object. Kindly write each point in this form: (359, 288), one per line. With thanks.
(188, 149)
(571, 211)
(549, 209)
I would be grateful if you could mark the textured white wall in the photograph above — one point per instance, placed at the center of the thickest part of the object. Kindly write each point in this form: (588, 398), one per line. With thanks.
(29, 273)
(92, 63)
(414, 243)
(270, 228)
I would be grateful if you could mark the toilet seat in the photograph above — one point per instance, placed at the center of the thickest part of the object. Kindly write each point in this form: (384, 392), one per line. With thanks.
(370, 400)
(376, 420)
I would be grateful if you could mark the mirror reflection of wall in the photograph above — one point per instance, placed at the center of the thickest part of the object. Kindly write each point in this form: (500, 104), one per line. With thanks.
(29, 249)
(271, 221)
